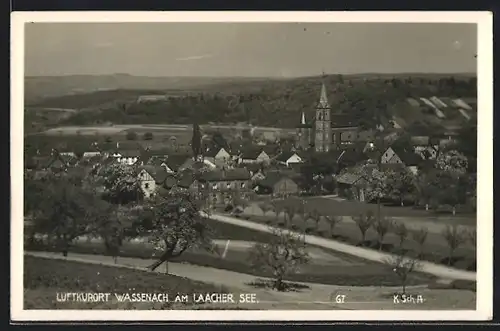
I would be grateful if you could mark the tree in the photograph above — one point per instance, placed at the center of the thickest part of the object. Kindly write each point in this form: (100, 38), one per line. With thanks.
(453, 162)
(401, 184)
(120, 183)
(265, 207)
(278, 209)
(67, 212)
(196, 141)
(472, 237)
(401, 231)
(178, 226)
(290, 212)
(377, 187)
(454, 237)
(316, 217)
(282, 255)
(111, 228)
(420, 238)
(382, 226)
(403, 265)
(131, 135)
(426, 188)
(332, 222)
(364, 222)
(450, 188)
(147, 136)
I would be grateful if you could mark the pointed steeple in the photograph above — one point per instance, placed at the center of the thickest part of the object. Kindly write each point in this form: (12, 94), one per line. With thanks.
(323, 98)
(303, 120)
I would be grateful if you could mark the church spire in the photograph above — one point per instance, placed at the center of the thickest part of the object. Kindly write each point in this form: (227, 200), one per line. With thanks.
(323, 99)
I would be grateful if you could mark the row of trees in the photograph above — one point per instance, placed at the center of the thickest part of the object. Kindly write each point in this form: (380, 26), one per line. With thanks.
(453, 235)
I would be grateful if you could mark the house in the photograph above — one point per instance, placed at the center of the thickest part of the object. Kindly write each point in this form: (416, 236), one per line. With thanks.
(191, 164)
(422, 146)
(90, 154)
(398, 156)
(216, 156)
(173, 163)
(127, 157)
(221, 184)
(150, 178)
(277, 184)
(350, 157)
(254, 155)
(256, 170)
(351, 184)
(288, 158)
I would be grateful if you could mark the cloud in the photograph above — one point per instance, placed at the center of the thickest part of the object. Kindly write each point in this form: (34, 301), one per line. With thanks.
(194, 57)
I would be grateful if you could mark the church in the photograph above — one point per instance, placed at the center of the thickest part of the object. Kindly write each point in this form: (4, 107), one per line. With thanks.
(327, 131)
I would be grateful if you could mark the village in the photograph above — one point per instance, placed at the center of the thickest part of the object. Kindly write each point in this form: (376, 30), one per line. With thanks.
(326, 157)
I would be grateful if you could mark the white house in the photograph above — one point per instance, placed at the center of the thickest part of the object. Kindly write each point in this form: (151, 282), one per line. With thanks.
(217, 157)
(91, 154)
(289, 158)
(254, 156)
(127, 157)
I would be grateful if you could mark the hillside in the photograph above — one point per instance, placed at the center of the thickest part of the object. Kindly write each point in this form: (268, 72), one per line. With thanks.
(268, 102)
(38, 88)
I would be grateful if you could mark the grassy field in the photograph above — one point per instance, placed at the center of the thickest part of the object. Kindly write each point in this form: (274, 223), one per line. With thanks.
(43, 278)
(435, 248)
(331, 268)
(328, 206)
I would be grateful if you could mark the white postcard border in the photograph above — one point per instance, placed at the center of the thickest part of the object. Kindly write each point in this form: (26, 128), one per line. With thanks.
(484, 309)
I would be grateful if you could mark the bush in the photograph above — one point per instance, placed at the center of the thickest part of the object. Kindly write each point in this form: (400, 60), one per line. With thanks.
(148, 136)
(131, 135)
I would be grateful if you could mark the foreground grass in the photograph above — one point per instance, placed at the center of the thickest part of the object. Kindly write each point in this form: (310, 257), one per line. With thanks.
(43, 278)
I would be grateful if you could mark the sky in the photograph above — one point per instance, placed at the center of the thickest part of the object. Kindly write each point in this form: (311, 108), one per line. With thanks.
(248, 49)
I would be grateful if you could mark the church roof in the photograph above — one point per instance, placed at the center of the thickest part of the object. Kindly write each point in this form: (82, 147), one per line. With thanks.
(323, 99)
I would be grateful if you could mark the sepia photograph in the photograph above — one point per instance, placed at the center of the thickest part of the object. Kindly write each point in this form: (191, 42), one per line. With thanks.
(251, 166)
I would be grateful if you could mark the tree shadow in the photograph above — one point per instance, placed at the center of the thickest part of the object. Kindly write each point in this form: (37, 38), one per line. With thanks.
(287, 286)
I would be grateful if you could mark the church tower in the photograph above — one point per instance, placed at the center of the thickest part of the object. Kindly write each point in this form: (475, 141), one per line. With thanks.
(323, 125)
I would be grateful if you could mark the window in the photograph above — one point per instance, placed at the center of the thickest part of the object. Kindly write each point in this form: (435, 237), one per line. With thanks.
(146, 186)
(214, 186)
(242, 185)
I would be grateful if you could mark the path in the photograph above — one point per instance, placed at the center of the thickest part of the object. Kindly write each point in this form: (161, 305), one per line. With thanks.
(319, 296)
(368, 254)
(412, 223)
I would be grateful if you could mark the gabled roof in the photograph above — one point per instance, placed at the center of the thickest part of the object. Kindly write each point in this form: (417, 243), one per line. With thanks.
(409, 158)
(223, 175)
(212, 151)
(130, 153)
(158, 173)
(174, 162)
(286, 155)
(186, 179)
(349, 178)
(251, 153)
(343, 121)
(272, 178)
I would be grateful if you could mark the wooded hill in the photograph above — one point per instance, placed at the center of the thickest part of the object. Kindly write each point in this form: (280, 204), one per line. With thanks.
(267, 102)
